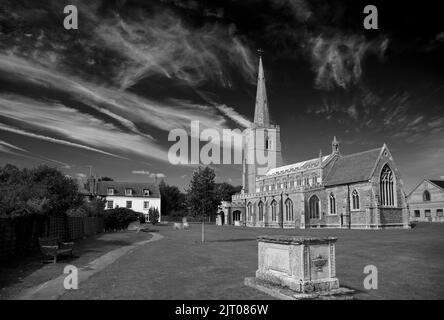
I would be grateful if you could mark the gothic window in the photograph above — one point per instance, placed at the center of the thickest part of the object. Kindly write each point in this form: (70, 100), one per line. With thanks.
(355, 200)
(261, 211)
(299, 181)
(249, 211)
(273, 210)
(313, 205)
(332, 203)
(314, 180)
(289, 210)
(386, 187)
(307, 181)
(426, 195)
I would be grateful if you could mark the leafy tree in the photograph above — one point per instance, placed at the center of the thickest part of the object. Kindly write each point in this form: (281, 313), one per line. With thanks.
(225, 191)
(173, 200)
(105, 179)
(153, 214)
(202, 199)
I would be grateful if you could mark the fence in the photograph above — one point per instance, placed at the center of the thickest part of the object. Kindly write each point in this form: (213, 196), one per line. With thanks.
(19, 236)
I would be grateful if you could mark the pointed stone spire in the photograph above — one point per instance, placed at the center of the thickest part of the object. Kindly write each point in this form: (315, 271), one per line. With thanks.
(261, 115)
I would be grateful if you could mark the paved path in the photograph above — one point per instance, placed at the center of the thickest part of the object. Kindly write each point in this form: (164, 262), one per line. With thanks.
(54, 288)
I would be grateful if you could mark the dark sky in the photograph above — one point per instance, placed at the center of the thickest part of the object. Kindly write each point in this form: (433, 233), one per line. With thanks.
(108, 94)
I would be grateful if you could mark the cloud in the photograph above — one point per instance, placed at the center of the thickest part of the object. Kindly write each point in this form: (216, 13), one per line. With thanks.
(234, 115)
(72, 125)
(337, 60)
(163, 44)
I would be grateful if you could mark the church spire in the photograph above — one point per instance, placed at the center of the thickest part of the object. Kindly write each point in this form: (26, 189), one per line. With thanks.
(261, 115)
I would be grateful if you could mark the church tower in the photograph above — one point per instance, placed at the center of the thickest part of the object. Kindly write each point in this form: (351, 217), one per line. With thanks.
(262, 141)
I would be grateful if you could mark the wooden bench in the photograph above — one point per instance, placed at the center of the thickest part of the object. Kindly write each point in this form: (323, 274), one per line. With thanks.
(52, 247)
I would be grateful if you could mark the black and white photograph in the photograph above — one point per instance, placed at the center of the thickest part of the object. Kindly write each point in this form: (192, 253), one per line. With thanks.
(221, 155)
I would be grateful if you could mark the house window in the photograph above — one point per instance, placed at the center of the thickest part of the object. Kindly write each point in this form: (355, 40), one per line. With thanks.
(313, 205)
(417, 214)
(261, 211)
(332, 203)
(428, 213)
(289, 210)
(146, 192)
(355, 200)
(146, 205)
(129, 204)
(110, 191)
(109, 204)
(128, 192)
(426, 196)
(439, 213)
(273, 210)
(386, 187)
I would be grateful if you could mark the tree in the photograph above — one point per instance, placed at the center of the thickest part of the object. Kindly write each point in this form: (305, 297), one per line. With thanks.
(153, 215)
(225, 191)
(202, 199)
(105, 179)
(173, 200)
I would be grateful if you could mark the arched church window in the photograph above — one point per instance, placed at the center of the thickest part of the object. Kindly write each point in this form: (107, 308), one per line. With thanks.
(313, 206)
(273, 210)
(332, 203)
(314, 180)
(250, 211)
(299, 181)
(289, 210)
(261, 211)
(426, 196)
(387, 187)
(355, 200)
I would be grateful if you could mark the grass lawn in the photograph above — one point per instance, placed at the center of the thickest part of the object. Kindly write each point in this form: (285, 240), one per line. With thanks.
(410, 264)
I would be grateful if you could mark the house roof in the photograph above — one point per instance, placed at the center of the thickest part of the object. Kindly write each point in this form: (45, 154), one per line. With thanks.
(353, 167)
(137, 187)
(439, 183)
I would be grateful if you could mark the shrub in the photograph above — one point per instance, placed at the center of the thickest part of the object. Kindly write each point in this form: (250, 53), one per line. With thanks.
(153, 215)
(119, 218)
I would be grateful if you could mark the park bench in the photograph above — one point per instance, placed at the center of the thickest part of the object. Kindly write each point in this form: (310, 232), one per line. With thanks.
(53, 247)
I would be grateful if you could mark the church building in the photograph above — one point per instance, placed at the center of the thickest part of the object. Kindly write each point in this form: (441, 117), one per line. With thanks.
(357, 191)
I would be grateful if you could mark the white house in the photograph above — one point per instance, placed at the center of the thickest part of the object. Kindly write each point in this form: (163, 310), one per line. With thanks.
(137, 196)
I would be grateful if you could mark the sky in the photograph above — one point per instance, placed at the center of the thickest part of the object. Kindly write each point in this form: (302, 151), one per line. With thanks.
(105, 96)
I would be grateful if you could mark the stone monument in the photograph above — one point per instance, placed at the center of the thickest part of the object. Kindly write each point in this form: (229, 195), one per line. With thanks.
(291, 267)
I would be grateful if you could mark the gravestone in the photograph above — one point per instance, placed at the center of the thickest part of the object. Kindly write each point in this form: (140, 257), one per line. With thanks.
(291, 267)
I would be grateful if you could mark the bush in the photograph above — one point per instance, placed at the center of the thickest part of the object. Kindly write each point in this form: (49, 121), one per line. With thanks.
(153, 215)
(119, 218)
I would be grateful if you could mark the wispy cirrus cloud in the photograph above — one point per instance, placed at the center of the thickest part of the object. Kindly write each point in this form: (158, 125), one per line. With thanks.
(337, 60)
(69, 124)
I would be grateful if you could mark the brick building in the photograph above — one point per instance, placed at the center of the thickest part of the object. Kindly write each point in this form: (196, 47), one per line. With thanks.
(426, 201)
(360, 190)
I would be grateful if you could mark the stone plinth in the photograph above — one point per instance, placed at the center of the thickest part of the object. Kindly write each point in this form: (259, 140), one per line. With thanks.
(303, 264)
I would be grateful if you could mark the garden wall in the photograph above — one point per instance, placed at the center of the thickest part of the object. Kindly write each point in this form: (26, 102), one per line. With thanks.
(19, 236)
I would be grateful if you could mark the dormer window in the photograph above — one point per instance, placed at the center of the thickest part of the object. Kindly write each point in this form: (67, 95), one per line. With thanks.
(128, 192)
(110, 191)
(146, 192)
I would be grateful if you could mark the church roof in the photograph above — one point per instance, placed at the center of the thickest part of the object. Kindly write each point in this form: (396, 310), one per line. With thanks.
(353, 167)
(303, 165)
